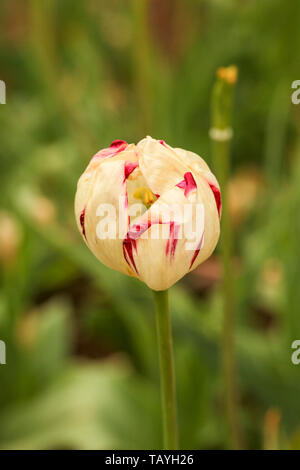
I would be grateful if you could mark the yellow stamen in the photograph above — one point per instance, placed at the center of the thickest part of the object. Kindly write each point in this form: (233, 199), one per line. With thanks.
(146, 195)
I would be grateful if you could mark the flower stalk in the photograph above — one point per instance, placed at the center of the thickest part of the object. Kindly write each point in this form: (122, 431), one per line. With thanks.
(141, 54)
(167, 374)
(221, 135)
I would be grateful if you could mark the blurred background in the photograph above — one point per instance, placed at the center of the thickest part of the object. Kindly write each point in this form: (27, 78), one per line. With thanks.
(82, 367)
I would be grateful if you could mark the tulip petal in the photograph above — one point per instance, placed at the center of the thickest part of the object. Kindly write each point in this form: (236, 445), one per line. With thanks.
(86, 181)
(199, 166)
(160, 165)
(115, 147)
(193, 161)
(109, 192)
(161, 260)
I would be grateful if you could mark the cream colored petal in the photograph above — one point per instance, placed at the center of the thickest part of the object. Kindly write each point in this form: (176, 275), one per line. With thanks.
(160, 165)
(164, 166)
(105, 210)
(212, 221)
(86, 181)
(192, 160)
(197, 165)
(128, 153)
(162, 262)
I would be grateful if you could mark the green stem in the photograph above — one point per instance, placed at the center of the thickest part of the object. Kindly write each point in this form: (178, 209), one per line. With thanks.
(168, 391)
(221, 124)
(142, 67)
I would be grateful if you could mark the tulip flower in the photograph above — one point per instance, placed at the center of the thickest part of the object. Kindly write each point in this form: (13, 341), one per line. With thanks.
(153, 212)
(160, 177)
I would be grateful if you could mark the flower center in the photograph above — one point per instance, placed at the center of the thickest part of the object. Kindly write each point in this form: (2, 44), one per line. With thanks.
(145, 195)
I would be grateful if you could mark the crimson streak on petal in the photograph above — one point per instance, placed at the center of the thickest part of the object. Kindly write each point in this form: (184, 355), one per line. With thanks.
(188, 184)
(137, 230)
(129, 244)
(81, 219)
(118, 143)
(129, 167)
(197, 250)
(115, 147)
(217, 194)
(173, 239)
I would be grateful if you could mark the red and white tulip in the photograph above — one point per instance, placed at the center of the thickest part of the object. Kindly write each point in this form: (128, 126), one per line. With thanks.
(151, 243)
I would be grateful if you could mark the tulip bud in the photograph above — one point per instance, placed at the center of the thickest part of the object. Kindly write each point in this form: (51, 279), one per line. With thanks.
(149, 210)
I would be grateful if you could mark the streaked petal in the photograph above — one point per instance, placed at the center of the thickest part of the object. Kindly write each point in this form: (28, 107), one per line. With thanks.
(115, 147)
(87, 179)
(106, 206)
(163, 260)
(160, 165)
(197, 165)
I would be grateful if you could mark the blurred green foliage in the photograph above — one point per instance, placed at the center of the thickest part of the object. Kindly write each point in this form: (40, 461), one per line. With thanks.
(82, 367)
